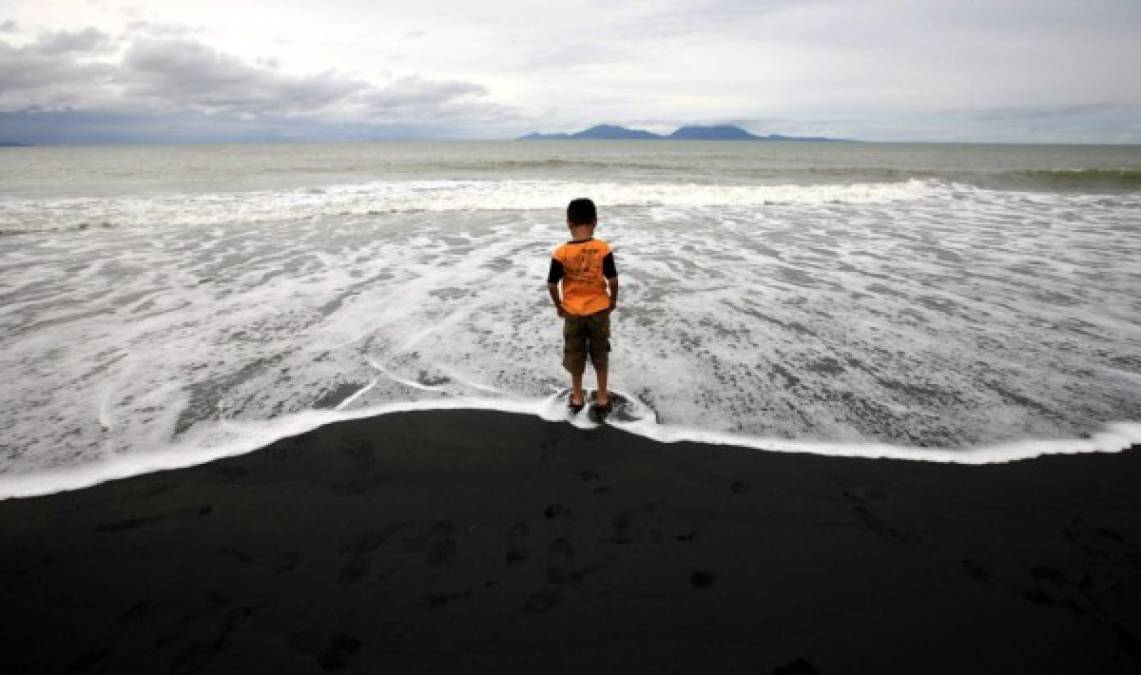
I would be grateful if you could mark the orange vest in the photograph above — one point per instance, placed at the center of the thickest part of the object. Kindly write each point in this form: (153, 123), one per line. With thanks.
(584, 287)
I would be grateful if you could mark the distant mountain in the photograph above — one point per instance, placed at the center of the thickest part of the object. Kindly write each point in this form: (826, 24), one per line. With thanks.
(9, 144)
(612, 132)
(607, 132)
(718, 132)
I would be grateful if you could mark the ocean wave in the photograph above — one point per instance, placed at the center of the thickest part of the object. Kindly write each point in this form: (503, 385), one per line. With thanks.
(544, 163)
(370, 199)
(1064, 180)
(1123, 178)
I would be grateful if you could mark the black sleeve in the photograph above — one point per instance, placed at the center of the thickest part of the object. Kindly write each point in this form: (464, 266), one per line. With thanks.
(556, 272)
(608, 269)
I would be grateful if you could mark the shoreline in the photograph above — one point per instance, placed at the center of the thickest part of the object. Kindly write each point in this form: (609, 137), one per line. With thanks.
(252, 436)
(476, 541)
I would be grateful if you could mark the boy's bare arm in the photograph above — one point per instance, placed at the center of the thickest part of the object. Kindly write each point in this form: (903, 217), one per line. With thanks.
(610, 271)
(553, 289)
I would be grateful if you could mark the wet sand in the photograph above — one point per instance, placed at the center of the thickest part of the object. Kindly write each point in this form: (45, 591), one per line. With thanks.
(464, 541)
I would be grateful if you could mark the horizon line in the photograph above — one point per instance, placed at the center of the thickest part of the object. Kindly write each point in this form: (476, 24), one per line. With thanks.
(14, 145)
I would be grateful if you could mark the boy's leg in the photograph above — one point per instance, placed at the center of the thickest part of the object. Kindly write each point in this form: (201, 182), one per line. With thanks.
(599, 349)
(574, 355)
(576, 388)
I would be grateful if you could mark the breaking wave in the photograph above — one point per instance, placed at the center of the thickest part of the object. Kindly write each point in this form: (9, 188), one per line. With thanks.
(1119, 179)
(364, 199)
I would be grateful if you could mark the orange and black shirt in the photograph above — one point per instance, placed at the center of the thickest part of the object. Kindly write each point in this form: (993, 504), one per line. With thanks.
(583, 266)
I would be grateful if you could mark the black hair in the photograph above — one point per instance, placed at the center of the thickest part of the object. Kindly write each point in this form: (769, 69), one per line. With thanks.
(581, 212)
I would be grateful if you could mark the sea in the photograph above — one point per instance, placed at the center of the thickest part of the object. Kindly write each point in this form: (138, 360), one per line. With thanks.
(161, 306)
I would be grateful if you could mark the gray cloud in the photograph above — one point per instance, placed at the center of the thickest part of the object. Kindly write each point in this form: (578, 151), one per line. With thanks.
(144, 76)
(189, 75)
(54, 70)
(9, 26)
(84, 127)
(415, 91)
(1088, 123)
(1024, 113)
(411, 97)
(78, 41)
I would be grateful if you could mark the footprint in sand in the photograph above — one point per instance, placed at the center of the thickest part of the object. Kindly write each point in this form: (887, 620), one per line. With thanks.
(517, 543)
(443, 550)
(340, 650)
(359, 548)
(975, 571)
(354, 568)
(289, 561)
(556, 510)
(180, 515)
(543, 601)
(560, 559)
(702, 580)
(621, 523)
(860, 498)
(438, 600)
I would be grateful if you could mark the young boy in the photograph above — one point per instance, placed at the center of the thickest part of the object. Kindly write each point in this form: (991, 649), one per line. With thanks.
(585, 266)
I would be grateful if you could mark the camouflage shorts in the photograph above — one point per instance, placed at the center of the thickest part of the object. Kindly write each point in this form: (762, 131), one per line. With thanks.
(583, 336)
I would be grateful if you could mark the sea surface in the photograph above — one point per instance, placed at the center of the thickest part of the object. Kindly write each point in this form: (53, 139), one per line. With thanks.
(980, 302)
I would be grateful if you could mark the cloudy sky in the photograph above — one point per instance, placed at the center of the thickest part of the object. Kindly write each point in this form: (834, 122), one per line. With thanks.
(937, 70)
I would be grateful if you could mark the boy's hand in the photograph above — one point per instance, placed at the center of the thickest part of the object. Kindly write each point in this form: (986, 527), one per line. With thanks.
(553, 290)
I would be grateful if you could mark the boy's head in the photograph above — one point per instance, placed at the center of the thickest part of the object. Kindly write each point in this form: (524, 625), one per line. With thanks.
(581, 212)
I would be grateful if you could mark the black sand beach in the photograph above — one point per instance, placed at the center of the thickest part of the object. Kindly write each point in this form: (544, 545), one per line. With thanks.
(484, 542)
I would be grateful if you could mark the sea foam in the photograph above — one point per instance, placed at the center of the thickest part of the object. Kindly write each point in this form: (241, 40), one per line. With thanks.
(912, 317)
(230, 439)
(374, 198)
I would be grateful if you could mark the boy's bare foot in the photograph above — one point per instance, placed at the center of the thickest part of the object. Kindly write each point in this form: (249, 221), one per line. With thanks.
(577, 405)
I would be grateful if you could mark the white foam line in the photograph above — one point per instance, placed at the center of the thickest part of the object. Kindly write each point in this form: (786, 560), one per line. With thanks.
(1115, 437)
(470, 383)
(400, 380)
(348, 342)
(103, 408)
(103, 413)
(448, 321)
(360, 392)
(251, 435)
(202, 446)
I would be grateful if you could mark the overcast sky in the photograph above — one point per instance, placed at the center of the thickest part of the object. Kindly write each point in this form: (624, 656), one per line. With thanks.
(940, 70)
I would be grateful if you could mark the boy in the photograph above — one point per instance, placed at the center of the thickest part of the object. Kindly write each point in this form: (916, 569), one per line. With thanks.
(585, 266)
